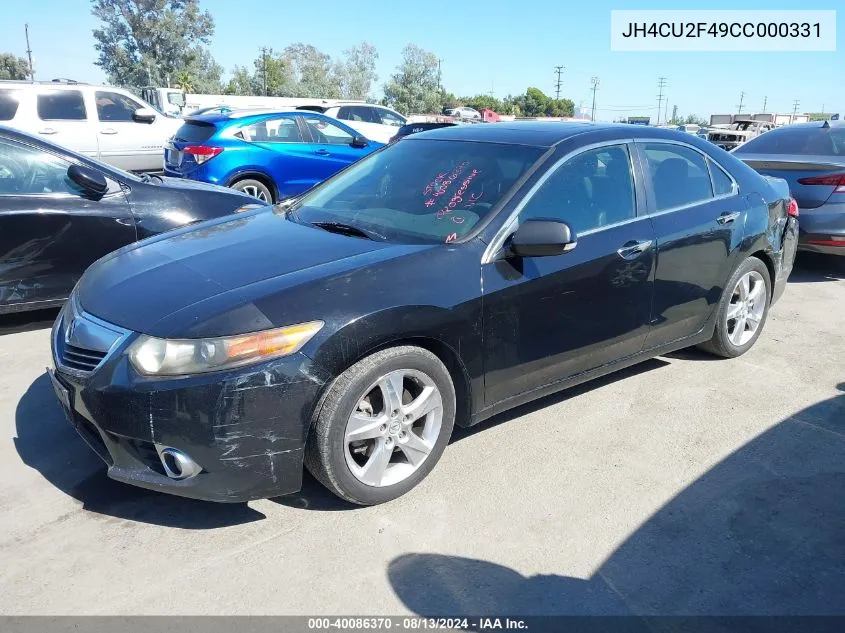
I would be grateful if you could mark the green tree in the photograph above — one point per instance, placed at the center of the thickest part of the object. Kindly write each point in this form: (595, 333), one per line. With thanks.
(480, 102)
(13, 67)
(357, 72)
(143, 42)
(272, 75)
(448, 100)
(205, 72)
(534, 103)
(184, 81)
(414, 87)
(312, 72)
(240, 83)
(693, 119)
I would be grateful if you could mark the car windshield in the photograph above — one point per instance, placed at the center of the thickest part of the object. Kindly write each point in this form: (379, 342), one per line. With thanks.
(419, 191)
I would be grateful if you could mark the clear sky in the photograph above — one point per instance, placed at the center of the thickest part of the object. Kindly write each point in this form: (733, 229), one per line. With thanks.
(484, 45)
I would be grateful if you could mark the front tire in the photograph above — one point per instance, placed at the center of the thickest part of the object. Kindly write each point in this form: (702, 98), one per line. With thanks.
(742, 310)
(382, 426)
(254, 188)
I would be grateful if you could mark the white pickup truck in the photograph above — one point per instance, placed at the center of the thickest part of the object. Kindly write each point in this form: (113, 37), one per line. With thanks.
(103, 122)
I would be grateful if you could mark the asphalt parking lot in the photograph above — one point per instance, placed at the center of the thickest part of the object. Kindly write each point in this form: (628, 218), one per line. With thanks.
(686, 485)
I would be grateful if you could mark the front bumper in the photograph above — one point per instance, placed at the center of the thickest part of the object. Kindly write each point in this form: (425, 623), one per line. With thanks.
(246, 428)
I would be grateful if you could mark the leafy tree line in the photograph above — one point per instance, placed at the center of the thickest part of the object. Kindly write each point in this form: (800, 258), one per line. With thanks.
(165, 43)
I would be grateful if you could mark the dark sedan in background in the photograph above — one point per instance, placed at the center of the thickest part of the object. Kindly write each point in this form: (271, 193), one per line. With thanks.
(811, 158)
(443, 279)
(60, 211)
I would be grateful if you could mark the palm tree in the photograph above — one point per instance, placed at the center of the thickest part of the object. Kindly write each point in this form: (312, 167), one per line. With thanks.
(184, 81)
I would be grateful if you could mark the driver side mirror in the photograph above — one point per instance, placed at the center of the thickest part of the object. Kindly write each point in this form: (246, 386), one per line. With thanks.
(359, 141)
(144, 115)
(542, 238)
(89, 180)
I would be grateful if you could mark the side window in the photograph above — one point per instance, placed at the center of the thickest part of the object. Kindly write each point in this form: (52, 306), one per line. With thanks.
(326, 133)
(678, 174)
(590, 190)
(722, 183)
(359, 113)
(25, 170)
(9, 100)
(344, 115)
(281, 130)
(113, 106)
(388, 118)
(61, 105)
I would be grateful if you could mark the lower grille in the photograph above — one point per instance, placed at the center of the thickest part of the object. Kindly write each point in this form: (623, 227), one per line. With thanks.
(81, 358)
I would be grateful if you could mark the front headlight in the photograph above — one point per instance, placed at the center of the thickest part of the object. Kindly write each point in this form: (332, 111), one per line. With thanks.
(177, 357)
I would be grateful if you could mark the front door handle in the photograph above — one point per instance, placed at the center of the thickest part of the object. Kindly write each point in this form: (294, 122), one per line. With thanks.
(633, 249)
(727, 218)
(322, 152)
(108, 130)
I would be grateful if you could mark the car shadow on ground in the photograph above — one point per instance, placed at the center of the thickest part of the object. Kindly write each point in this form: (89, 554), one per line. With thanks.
(27, 321)
(761, 533)
(48, 443)
(813, 268)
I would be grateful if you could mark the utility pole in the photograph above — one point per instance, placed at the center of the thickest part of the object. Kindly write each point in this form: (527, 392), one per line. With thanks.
(674, 113)
(739, 107)
(264, 68)
(29, 53)
(661, 84)
(765, 101)
(666, 109)
(595, 82)
(794, 110)
(558, 70)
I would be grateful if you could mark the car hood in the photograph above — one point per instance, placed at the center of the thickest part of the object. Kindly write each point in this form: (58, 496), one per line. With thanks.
(227, 264)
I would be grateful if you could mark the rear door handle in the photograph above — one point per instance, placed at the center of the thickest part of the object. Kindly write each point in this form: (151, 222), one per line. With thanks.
(108, 130)
(47, 130)
(727, 218)
(322, 152)
(632, 249)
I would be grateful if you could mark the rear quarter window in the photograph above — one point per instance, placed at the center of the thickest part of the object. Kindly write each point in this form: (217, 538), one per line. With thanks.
(9, 100)
(195, 132)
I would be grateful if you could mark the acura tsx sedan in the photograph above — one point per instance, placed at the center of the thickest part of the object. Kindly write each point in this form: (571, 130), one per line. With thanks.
(439, 281)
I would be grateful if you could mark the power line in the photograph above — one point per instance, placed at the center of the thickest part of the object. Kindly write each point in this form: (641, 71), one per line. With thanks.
(558, 70)
(661, 84)
(595, 82)
(29, 53)
(741, 98)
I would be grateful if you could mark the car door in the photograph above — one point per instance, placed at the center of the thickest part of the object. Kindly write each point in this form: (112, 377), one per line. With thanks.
(331, 144)
(50, 232)
(280, 150)
(124, 142)
(63, 118)
(389, 124)
(550, 318)
(699, 219)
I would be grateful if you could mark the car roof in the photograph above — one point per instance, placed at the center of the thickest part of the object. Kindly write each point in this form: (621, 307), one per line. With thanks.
(812, 125)
(223, 117)
(540, 133)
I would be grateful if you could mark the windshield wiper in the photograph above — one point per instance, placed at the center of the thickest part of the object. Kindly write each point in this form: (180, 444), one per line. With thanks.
(349, 229)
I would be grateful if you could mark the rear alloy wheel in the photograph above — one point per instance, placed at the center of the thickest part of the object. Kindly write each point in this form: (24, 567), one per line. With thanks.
(383, 425)
(742, 310)
(254, 188)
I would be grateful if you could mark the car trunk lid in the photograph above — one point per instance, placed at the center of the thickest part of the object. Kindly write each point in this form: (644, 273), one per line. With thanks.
(808, 176)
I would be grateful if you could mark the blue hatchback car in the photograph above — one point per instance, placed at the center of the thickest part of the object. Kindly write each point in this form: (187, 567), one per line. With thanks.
(269, 155)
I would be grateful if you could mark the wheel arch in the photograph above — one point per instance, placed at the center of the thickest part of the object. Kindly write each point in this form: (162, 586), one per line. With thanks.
(768, 260)
(254, 174)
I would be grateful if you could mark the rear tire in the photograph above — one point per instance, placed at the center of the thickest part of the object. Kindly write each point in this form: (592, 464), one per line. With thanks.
(254, 188)
(370, 443)
(743, 310)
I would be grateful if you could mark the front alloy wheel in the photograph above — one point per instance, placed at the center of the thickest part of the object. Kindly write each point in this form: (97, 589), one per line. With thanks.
(382, 425)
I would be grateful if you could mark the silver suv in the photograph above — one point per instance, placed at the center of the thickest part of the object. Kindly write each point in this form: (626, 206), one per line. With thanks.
(110, 124)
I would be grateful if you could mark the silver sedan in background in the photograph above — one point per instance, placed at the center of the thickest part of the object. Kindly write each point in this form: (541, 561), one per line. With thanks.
(811, 158)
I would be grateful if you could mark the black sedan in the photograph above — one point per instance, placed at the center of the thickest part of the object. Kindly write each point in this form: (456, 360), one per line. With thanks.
(60, 211)
(446, 278)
